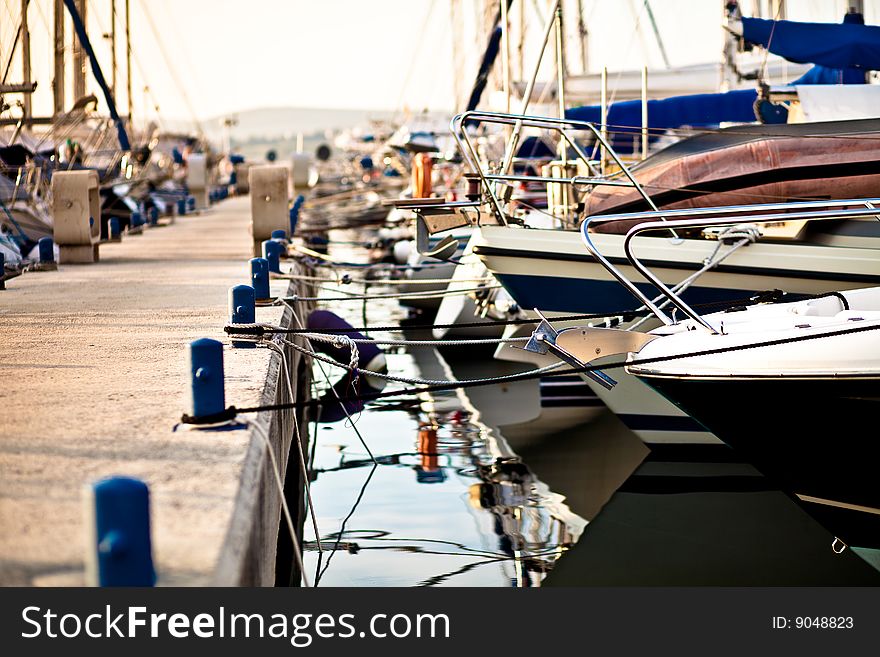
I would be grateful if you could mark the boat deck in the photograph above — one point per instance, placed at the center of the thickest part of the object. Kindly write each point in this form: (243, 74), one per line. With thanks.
(94, 367)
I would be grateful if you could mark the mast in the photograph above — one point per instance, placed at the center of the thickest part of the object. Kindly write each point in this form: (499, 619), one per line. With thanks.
(521, 43)
(582, 37)
(58, 80)
(113, 46)
(505, 39)
(26, 56)
(79, 56)
(128, 57)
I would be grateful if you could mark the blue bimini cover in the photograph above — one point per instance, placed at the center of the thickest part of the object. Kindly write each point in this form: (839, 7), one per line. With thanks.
(835, 45)
(625, 117)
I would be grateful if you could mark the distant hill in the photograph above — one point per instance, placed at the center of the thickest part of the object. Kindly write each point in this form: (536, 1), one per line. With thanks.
(286, 122)
(275, 128)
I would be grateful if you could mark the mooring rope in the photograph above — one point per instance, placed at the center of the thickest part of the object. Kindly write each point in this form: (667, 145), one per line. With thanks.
(439, 294)
(449, 385)
(276, 471)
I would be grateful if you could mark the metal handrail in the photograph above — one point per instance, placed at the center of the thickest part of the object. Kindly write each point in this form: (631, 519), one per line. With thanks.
(868, 211)
(731, 209)
(559, 125)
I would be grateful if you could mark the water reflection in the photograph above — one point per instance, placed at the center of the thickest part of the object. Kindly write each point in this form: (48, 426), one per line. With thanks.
(446, 500)
(490, 487)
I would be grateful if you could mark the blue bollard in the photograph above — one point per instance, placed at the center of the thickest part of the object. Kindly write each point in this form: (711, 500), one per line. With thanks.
(242, 310)
(122, 533)
(272, 254)
(190, 203)
(46, 250)
(137, 219)
(260, 278)
(294, 213)
(206, 377)
(113, 227)
(279, 234)
(181, 206)
(154, 216)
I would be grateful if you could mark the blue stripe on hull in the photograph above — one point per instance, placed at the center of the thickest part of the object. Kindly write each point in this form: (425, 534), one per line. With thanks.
(576, 295)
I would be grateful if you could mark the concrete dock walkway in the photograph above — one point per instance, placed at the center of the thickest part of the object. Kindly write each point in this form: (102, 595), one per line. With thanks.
(93, 362)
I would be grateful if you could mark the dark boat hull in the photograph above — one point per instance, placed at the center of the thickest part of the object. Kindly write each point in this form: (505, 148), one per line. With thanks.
(816, 438)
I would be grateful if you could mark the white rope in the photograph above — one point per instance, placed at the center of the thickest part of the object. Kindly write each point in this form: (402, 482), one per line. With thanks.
(287, 374)
(323, 337)
(419, 381)
(397, 295)
(297, 550)
(345, 280)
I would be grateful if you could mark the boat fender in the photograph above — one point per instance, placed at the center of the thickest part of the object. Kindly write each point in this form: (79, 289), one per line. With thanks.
(371, 357)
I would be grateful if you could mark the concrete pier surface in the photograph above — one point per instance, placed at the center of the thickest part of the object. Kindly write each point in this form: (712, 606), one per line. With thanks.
(93, 361)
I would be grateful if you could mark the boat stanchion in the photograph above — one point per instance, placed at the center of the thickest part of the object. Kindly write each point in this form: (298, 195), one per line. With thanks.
(260, 279)
(242, 310)
(119, 551)
(272, 253)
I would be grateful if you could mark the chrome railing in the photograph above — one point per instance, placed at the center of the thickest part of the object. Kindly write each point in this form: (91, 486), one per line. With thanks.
(564, 128)
(737, 214)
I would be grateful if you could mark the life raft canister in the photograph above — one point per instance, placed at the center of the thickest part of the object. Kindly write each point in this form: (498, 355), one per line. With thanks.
(353, 394)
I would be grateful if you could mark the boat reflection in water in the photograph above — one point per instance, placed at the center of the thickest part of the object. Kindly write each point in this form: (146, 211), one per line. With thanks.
(469, 489)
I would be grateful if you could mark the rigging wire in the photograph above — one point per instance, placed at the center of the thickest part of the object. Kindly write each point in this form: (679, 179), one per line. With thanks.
(172, 69)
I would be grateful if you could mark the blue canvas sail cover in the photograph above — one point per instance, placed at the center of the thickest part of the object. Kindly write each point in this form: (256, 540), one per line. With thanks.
(836, 45)
(625, 117)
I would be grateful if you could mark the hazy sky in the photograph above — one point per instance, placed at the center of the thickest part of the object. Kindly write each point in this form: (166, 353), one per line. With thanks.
(230, 55)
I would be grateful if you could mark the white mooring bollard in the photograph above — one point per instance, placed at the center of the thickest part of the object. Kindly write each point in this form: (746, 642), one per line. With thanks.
(269, 202)
(197, 179)
(76, 212)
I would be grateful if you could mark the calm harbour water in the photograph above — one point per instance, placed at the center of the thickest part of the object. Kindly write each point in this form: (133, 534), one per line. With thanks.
(468, 488)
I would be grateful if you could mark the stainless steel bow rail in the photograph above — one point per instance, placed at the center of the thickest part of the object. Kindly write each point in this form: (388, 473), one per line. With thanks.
(721, 216)
(489, 179)
(563, 127)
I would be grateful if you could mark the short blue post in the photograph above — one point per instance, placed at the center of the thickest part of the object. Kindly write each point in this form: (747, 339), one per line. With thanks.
(272, 254)
(113, 227)
(260, 278)
(279, 234)
(137, 219)
(46, 250)
(181, 206)
(294, 213)
(242, 310)
(123, 549)
(206, 376)
(154, 216)
(190, 203)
